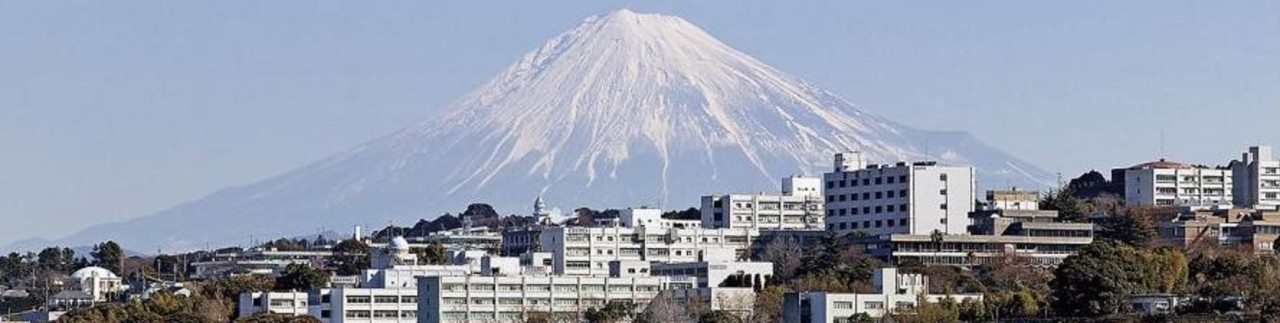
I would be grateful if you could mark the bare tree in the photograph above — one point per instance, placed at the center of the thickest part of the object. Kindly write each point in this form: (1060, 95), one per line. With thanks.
(785, 254)
(666, 309)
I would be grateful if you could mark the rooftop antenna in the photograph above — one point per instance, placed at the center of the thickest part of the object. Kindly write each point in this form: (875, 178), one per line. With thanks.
(1162, 156)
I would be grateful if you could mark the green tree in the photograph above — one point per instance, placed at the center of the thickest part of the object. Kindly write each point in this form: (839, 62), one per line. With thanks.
(269, 317)
(56, 259)
(1131, 225)
(1070, 208)
(302, 277)
(433, 254)
(349, 257)
(108, 255)
(1096, 281)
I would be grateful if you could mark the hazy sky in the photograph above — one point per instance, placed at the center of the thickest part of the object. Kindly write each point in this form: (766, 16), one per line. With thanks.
(113, 110)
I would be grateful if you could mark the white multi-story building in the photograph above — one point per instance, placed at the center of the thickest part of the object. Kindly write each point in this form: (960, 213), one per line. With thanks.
(652, 219)
(518, 298)
(588, 251)
(1257, 179)
(798, 207)
(894, 292)
(915, 198)
(1167, 183)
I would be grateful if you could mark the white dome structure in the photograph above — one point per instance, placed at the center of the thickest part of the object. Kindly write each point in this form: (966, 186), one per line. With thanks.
(398, 245)
(93, 271)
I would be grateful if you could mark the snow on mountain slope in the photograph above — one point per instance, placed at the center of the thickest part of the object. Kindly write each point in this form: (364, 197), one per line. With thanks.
(624, 110)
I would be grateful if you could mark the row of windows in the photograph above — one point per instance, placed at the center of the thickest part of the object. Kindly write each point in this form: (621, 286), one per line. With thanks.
(515, 287)
(869, 210)
(870, 195)
(867, 181)
(868, 224)
(381, 314)
(382, 299)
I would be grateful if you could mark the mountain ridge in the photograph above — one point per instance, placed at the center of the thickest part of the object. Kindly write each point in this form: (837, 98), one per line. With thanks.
(624, 109)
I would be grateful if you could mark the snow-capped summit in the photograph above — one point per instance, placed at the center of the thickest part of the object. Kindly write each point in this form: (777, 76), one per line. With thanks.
(624, 109)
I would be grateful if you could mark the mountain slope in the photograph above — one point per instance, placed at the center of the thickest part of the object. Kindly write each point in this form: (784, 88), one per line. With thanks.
(623, 110)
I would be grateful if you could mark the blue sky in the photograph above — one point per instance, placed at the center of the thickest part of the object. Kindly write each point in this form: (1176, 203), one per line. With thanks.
(114, 110)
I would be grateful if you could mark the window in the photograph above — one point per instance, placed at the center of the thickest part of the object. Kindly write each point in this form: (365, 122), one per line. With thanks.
(538, 288)
(482, 301)
(593, 288)
(620, 288)
(902, 179)
(408, 299)
(842, 305)
(902, 222)
(890, 180)
(889, 208)
(942, 177)
(943, 206)
(453, 301)
(358, 314)
(842, 227)
(889, 194)
(386, 314)
(409, 314)
(878, 223)
(879, 180)
(510, 287)
(509, 301)
(566, 288)
(358, 299)
(566, 302)
(942, 192)
(879, 195)
(879, 209)
(854, 211)
(873, 305)
(482, 287)
(866, 196)
(386, 299)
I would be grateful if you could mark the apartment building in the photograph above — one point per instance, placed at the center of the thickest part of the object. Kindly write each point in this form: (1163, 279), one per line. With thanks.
(798, 207)
(1257, 179)
(904, 198)
(587, 251)
(895, 293)
(518, 298)
(1168, 183)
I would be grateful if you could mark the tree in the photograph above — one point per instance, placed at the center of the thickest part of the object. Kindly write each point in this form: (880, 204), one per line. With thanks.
(433, 254)
(108, 255)
(269, 317)
(1070, 208)
(302, 277)
(349, 257)
(718, 317)
(768, 305)
(1096, 281)
(664, 309)
(615, 311)
(1131, 225)
(56, 259)
(785, 253)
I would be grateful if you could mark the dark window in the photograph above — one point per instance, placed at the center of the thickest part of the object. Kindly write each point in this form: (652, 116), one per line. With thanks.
(853, 196)
(879, 180)
(902, 179)
(890, 180)
(889, 193)
(325, 314)
(831, 226)
(943, 206)
(878, 223)
(842, 227)
(890, 223)
(879, 195)
(866, 181)
(902, 193)
(879, 209)
(842, 197)
(943, 191)
(866, 196)
(942, 177)
(831, 184)
(854, 211)
(866, 224)
(831, 198)
(902, 207)
(902, 222)
(831, 212)
(842, 212)
(889, 208)
(866, 210)
(842, 183)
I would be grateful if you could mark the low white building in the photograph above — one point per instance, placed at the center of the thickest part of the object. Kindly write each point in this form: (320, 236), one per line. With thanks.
(910, 198)
(517, 298)
(286, 303)
(895, 292)
(714, 273)
(1167, 183)
(588, 251)
(97, 282)
(798, 207)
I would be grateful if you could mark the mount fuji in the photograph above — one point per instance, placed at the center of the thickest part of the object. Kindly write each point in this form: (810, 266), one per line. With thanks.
(625, 109)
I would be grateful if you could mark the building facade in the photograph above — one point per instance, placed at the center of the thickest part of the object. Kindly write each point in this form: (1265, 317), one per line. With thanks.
(916, 198)
(798, 207)
(519, 298)
(1257, 179)
(1166, 183)
(895, 293)
(588, 251)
